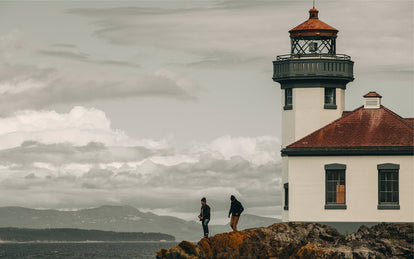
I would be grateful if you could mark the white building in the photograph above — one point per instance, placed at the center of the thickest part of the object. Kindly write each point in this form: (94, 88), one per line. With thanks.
(339, 166)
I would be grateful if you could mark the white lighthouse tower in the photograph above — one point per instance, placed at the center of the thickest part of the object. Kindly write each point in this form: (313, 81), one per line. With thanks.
(313, 79)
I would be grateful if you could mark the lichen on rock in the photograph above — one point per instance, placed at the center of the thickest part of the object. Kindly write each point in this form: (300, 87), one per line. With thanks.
(301, 240)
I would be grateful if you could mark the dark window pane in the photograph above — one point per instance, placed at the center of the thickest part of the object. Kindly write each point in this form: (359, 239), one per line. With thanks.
(342, 176)
(382, 185)
(338, 174)
(288, 96)
(394, 176)
(387, 186)
(331, 197)
(395, 186)
(388, 197)
(330, 187)
(330, 96)
(395, 196)
(382, 196)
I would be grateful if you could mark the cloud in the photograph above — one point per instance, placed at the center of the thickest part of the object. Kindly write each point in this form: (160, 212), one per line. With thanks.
(64, 45)
(12, 40)
(83, 57)
(65, 157)
(246, 34)
(214, 33)
(259, 150)
(31, 87)
(79, 126)
(40, 155)
(64, 74)
(143, 184)
(100, 61)
(16, 79)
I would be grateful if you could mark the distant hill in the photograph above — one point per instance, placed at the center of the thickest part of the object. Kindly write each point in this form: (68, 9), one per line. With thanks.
(119, 219)
(71, 234)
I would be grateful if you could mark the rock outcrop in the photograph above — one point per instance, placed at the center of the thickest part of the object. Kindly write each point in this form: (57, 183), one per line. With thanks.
(301, 240)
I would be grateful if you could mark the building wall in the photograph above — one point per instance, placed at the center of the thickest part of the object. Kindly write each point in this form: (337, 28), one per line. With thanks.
(306, 179)
(308, 113)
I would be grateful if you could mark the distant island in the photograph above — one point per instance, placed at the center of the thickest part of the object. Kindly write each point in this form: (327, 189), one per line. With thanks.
(76, 235)
(119, 219)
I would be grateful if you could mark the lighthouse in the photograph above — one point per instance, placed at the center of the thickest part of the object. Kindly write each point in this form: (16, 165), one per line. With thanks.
(313, 78)
(338, 167)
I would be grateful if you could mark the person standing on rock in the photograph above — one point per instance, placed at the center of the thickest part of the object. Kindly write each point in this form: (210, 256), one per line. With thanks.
(204, 216)
(236, 210)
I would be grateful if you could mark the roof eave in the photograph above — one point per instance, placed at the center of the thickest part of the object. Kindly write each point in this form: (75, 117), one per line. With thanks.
(349, 151)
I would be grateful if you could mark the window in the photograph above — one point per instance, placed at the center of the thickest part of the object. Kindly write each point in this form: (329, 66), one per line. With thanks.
(335, 186)
(288, 99)
(313, 47)
(330, 98)
(388, 189)
(286, 205)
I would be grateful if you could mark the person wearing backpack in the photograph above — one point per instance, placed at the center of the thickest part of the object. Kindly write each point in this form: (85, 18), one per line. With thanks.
(236, 209)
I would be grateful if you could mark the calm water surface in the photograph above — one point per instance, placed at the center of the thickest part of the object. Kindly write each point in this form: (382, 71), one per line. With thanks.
(82, 250)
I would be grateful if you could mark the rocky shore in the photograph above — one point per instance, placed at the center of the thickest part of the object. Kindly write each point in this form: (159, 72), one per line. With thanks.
(301, 240)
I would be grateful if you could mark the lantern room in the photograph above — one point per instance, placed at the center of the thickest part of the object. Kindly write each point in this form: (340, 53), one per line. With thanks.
(313, 37)
(313, 79)
(313, 61)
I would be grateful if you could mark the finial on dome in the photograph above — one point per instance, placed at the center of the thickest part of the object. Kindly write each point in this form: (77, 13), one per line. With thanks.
(313, 13)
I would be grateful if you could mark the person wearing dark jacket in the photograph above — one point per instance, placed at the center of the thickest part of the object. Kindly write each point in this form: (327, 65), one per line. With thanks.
(236, 210)
(204, 216)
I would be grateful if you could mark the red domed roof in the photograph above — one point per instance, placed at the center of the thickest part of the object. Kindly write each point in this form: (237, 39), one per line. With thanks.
(313, 27)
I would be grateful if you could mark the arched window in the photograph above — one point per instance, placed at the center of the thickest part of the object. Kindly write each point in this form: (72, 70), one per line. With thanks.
(388, 186)
(335, 191)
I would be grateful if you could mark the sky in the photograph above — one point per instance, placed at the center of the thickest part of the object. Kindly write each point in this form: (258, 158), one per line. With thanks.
(155, 104)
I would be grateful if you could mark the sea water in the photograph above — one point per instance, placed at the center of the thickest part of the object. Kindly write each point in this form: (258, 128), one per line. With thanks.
(101, 250)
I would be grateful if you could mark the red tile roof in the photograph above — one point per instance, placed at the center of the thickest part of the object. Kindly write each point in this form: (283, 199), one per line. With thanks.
(313, 26)
(410, 120)
(362, 128)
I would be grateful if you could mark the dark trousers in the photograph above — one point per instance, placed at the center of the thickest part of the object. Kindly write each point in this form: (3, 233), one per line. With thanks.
(205, 222)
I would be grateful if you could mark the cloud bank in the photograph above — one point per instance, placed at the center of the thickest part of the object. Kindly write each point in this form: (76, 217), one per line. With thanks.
(78, 127)
(77, 160)
(63, 76)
